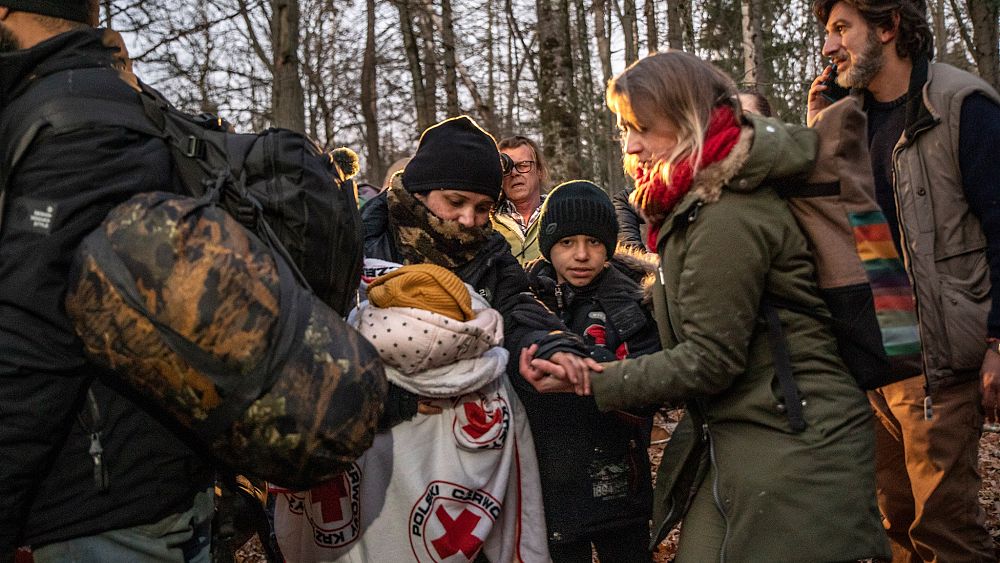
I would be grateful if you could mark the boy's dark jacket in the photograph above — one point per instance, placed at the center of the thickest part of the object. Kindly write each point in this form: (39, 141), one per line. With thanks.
(594, 466)
(47, 478)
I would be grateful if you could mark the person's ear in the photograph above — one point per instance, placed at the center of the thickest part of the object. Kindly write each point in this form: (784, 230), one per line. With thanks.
(3, 12)
(887, 35)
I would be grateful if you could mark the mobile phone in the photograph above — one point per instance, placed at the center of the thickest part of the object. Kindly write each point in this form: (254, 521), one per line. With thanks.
(833, 90)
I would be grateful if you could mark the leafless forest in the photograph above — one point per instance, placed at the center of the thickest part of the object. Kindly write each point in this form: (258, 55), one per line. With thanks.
(371, 74)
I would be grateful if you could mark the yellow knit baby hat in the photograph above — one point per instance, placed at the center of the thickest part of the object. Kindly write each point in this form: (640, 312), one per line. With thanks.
(423, 286)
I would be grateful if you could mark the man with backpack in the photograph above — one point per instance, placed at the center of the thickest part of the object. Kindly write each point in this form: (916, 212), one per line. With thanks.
(931, 133)
(85, 474)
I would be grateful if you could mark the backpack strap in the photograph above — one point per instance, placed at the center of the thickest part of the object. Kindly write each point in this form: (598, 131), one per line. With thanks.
(803, 190)
(47, 104)
(783, 367)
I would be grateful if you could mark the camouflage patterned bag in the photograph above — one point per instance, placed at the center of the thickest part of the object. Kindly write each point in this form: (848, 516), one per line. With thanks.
(204, 320)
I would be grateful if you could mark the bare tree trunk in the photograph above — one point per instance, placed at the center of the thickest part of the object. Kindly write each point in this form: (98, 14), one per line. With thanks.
(687, 18)
(369, 100)
(985, 18)
(680, 28)
(491, 84)
(450, 75)
(652, 33)
(585, 87)
(205, 67)
(601, 33)
(424, 119)
(108, 6)
(607, 126)
(425, 24)
(940, 28)
(287, 98)
(753, 43)
(675, 29)
(557, 98)
(626, 15)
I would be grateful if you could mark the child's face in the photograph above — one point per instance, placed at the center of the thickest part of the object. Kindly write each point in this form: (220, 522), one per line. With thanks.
(578, 259)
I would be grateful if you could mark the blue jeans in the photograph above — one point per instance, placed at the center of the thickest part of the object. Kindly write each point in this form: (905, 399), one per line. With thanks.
(184, 537)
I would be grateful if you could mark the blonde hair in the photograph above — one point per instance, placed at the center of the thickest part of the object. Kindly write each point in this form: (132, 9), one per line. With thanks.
(675, 86)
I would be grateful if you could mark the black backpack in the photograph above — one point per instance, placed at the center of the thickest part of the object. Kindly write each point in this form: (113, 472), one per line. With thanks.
(278, 183)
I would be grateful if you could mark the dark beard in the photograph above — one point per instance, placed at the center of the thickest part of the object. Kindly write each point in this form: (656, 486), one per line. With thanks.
(866, 66)
(8, 43)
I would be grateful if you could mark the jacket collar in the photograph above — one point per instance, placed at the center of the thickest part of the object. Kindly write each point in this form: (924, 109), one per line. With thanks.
(708, 184)
(919, 113)
(80, 48)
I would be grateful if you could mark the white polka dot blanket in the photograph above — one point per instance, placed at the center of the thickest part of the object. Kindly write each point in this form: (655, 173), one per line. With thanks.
(432, 355)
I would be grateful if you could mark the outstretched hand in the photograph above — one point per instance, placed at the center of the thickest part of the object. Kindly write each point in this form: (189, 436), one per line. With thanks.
(563, 373)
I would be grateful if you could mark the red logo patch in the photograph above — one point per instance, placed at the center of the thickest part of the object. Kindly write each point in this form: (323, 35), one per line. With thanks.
(598, 333)
(482, 420)
(333, 509)
(449, 523)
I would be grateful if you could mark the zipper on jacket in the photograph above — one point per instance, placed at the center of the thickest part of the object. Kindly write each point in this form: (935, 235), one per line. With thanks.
(715, 490)
(96, 451)
(559, 297)
(905, 258)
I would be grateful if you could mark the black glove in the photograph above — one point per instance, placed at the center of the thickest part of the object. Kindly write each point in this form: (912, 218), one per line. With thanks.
(400, 405)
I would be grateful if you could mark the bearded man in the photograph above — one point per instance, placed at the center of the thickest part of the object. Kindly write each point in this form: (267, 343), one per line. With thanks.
(932, 131)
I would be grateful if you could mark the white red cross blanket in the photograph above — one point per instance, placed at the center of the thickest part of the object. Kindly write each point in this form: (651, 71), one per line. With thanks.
(437, 488)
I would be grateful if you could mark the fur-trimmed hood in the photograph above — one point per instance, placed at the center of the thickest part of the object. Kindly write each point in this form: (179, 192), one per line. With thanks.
(767, 152)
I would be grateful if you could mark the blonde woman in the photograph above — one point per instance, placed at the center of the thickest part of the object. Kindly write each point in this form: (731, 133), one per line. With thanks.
(769, 464)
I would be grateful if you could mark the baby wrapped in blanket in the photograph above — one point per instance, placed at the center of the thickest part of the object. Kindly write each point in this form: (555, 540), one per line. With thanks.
(439, 487)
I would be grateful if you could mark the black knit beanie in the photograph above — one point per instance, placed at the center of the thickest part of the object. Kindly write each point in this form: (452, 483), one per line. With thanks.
(73, 10)
(455, 154)
(577, 207)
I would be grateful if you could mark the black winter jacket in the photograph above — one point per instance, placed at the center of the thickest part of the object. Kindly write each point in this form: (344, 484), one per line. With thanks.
(60, 191)
(594, 465)
(629, 222)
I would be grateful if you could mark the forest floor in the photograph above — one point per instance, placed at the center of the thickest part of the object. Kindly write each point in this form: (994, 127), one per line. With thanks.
(989, 496)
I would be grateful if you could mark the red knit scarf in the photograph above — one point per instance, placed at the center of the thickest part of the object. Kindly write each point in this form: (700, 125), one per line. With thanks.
(655, 196)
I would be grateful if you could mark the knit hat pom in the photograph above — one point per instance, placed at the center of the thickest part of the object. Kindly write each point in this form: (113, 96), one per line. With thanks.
(423, 286)
(577, 207)
(456, 154)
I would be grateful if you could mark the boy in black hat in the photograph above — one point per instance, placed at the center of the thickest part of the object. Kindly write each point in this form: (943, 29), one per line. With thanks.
(594, 466)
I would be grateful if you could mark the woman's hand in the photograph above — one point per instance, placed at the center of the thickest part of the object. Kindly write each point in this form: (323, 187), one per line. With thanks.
(563, 373)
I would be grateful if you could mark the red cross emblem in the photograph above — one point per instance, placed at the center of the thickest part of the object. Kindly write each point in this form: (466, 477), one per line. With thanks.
(480, 421)
(328, 497)
(457, 534)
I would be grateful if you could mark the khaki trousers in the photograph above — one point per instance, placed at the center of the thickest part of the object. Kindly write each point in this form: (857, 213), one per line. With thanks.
(927, 472)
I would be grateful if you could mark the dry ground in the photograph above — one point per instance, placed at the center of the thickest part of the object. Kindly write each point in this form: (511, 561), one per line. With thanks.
(989, 496)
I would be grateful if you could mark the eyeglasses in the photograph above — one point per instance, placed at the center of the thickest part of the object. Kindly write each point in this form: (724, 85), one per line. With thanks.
(523, 167)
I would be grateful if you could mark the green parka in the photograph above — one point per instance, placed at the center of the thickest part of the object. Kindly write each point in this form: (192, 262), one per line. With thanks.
(751, 488)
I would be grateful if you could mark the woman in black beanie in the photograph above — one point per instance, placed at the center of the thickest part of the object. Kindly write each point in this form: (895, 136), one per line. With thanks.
(437, 212)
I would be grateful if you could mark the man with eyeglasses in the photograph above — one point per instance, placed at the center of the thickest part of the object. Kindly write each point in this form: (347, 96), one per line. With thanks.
(516, 214)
